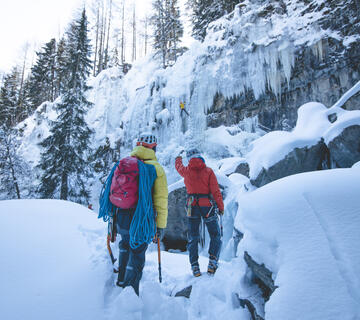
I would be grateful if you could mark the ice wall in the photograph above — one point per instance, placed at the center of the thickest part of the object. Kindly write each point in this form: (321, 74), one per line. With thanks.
(252, 49)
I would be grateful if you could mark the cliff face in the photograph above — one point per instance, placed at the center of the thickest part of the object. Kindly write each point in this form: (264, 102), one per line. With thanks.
(321, 71)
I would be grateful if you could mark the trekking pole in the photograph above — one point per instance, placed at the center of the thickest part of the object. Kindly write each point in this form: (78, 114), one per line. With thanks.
(159, 259)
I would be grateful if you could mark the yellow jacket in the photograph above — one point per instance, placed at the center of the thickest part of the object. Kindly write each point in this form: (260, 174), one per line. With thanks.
(160, 190)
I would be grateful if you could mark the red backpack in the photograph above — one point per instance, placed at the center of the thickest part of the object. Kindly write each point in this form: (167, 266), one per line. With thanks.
(124, 188)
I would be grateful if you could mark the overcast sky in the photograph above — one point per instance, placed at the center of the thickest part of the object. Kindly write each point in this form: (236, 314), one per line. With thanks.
(32, 21)
(36, 22)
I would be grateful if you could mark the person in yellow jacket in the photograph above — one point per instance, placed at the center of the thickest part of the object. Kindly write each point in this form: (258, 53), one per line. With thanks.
(182, 108)
(132, 261)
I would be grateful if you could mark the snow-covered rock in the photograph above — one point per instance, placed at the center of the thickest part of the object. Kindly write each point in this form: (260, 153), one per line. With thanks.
(305, 229)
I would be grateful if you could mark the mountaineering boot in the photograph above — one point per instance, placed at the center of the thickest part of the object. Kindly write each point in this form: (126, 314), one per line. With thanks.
(196, 270)
(212, 266)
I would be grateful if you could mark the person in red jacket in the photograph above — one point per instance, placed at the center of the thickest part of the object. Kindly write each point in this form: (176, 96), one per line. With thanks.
(202, 189)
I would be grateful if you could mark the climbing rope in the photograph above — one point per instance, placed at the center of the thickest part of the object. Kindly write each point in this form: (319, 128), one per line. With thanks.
(106, 207)
(143, 226)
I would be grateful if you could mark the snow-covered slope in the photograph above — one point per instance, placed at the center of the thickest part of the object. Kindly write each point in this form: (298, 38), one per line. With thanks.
(305, 228)
(49, 267)
(54, 262)
(54, 265)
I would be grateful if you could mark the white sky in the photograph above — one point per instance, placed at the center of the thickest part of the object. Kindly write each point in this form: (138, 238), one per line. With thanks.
(35, 22)
(32, 21)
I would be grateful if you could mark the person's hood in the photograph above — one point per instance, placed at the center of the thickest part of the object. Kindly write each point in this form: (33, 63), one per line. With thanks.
(143, 153)
(196, 163)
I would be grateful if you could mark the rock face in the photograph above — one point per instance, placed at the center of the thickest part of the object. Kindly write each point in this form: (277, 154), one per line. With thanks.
(345, 148)
(323, 78)
(297, 161)
(261, 276)
(342, 152)
(176, 231)
(243, 168)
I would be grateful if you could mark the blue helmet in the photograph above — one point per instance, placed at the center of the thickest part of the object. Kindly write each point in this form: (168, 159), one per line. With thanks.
(193, 153)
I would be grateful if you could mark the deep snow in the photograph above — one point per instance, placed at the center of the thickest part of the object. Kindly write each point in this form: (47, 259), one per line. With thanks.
(54, 261)
(305, 228)
(55, 265)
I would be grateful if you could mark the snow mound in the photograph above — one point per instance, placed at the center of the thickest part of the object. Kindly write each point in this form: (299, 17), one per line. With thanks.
(305, 228)
(50, 266)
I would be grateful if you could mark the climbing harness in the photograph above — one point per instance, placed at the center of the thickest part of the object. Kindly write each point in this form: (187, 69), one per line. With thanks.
(195, 197)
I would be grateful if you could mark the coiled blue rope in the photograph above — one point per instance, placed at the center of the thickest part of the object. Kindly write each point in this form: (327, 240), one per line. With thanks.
(105, 206)
(143, 226)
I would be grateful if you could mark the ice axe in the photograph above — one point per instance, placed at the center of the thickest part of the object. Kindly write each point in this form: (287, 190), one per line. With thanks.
(221, 222)
(156, 240)
(113, 260)
(159, 258)
(111, 237)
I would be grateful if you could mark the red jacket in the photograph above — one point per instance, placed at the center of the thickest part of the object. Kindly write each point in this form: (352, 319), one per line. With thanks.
(199, 178)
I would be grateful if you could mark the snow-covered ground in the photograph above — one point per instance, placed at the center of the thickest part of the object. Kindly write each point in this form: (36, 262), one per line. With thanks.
(55, 265)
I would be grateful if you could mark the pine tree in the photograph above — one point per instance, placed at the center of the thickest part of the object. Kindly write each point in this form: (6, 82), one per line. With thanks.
(104, 159)
(42, 81)
(206, 11)
(64, 160)
(9, 93)
(168, 30)
(60, 67)
(15, 173)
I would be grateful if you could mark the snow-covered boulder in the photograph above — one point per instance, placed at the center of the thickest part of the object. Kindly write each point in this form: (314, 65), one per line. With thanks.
(296, 161)
(305, 230)
(176, 230)
(320, 134)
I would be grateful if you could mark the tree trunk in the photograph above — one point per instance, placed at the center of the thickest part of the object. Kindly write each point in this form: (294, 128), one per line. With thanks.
(146, 34)
(107, 38)
(64, 189)
(123, 35)
(134, 36)
(96, 38)
(16, 185)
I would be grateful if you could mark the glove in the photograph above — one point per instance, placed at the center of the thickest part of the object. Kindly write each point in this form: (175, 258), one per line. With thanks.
(159, 233)
(181, 154)
(221, 212)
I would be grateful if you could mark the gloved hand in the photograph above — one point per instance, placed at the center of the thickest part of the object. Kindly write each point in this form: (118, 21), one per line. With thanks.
(159, 233)
(221, 212)
(181, 154)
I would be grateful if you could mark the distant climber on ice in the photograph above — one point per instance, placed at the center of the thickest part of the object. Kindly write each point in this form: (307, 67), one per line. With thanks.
(202, 189)
(182, 108)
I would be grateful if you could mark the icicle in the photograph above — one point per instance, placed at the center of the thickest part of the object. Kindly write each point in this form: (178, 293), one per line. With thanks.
(317, 49)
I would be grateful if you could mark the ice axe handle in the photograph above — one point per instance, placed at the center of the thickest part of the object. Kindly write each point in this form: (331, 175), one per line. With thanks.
(159, 259)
